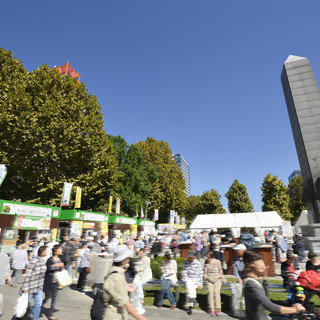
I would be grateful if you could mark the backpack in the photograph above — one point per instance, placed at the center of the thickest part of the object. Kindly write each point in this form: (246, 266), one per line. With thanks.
(309, 279)
(98, 307)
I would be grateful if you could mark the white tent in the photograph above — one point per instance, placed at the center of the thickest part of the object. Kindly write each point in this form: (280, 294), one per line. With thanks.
(235, 221)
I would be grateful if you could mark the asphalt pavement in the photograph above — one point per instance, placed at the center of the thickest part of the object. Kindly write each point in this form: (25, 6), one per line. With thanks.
(71, 304)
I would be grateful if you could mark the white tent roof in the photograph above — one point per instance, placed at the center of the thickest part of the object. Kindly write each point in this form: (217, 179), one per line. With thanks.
(267, 219)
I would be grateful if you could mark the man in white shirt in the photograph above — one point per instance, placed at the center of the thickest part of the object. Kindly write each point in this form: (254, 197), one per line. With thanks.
(19, 261)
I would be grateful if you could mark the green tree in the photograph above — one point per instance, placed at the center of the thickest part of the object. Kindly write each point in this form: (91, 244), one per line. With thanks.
(238, 198)
(275, 196)
(137, 176)
(167, 192)
(295, 192)
(54, 134)
(192, 208)
(210, 202)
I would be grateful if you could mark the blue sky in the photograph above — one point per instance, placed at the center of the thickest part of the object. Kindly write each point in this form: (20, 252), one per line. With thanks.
(202, 75)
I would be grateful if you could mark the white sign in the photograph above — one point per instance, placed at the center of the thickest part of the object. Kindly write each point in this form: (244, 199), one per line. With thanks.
(19, 209)
(3, 172)
(147, 223)
(125, 220)
(92, 216)
(67, 187)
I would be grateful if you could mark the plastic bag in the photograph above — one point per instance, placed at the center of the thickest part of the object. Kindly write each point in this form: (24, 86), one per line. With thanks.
(237, 300)
(63, 279)
(22, 305)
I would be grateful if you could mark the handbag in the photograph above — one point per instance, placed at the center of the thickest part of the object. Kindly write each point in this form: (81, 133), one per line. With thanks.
(22, 305)
(63, 279)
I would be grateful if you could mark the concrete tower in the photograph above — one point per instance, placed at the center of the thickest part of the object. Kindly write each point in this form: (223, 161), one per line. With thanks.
(303, 102)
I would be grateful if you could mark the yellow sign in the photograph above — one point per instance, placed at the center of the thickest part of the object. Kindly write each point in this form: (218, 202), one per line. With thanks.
(134, 230)
(118, 206)
(54, 234)
(110, 204)
(77, 203)
(89, 225)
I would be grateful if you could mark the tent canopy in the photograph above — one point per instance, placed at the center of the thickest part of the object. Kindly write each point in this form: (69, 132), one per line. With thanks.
(269, 219)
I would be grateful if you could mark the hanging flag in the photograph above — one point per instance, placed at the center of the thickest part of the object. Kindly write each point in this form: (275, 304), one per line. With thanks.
(118, 206)
(172, 215)
(110, 204)
(77, 203)
(156, 215)
(142, 214)
(67, 187)
(137, 213)
(177, 219)
(3, 172)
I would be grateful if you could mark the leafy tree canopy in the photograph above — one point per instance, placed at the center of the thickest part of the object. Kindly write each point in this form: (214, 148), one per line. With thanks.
(192, 208)
(295, 192)
(51, 132)
(167, 192)
(238, 198)
(210, 202)
(275, 196)
(137, 176)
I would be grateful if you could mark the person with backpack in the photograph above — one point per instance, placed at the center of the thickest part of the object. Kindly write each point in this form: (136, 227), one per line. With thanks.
(116, 304)
(255, 292)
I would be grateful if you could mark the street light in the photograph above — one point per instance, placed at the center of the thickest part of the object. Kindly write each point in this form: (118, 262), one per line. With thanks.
(147, 204)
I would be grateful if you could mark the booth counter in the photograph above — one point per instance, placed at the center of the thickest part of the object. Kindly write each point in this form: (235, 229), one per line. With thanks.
(264, 250)
(147, 226)
(81, 223)
(24, 221)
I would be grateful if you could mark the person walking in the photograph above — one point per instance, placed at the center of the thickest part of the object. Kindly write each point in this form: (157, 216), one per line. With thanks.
(69, 255)
(213, 273)
(237, 263)
(175, 244)
(34, 279)
(204, 243)
(299, 250)
(156, 247)
(246, 238)
(197, 241)
(5, 276)
(144, 275)
(192, 276)
(255, 293)
(114, 291)
(168, 279)
(50, 287)
(84, 268)
(19, 261)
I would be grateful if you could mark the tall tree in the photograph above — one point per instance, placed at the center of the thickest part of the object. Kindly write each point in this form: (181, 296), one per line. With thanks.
(238, 198)
(295, 192)
(275, 196)
(54, 135)
(192, 208)
(167, 192)
(137, 176)
(210, 202)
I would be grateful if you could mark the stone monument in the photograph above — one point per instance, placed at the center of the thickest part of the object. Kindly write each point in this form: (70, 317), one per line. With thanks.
(303, 103)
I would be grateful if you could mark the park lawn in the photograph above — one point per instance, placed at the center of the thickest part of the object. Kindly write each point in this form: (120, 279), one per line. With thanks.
(276, 297)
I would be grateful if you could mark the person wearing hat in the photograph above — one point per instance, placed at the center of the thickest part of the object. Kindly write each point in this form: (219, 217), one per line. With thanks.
(192, 275)
(299, 250)
(69, 255)
(237, 263)
(168, 279)
(115, 292)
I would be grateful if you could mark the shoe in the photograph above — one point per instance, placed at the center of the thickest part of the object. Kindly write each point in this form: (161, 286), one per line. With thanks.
(218, 312)
(159, 307)
(173, 307)
(212, 313)
(189, 312)
(141, 310)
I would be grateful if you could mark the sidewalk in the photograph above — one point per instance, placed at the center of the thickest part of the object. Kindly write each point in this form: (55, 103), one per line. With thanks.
(74, 305)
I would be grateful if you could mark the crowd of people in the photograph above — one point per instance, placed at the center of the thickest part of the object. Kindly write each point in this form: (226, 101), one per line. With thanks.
(122, 291)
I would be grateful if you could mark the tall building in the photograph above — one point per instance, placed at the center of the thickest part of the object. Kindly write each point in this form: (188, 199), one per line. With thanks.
(184, 168)
(303, 103)
(295, 173)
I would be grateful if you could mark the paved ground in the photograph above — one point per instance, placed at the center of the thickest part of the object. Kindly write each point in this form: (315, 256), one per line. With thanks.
(75, 305)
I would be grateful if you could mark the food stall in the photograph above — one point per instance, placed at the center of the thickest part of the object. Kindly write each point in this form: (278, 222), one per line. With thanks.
(124, 225)
(24, 221)
(80, 223)
(146, 226)
(170, 228)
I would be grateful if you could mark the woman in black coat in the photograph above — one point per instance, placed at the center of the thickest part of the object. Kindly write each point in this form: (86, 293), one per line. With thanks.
(50, 286)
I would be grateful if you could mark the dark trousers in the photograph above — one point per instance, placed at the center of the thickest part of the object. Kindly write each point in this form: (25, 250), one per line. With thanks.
(82, 278)
(51, 294)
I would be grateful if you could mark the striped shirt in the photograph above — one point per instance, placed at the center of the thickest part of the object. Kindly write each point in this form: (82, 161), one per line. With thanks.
(192, 271)
(34, 276)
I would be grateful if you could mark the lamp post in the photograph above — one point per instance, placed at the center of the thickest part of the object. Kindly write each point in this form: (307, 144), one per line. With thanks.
(147, 204)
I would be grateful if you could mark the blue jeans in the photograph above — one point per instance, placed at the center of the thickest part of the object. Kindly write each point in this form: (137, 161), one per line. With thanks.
(37, 297)
(166, 284)
(68, 267)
